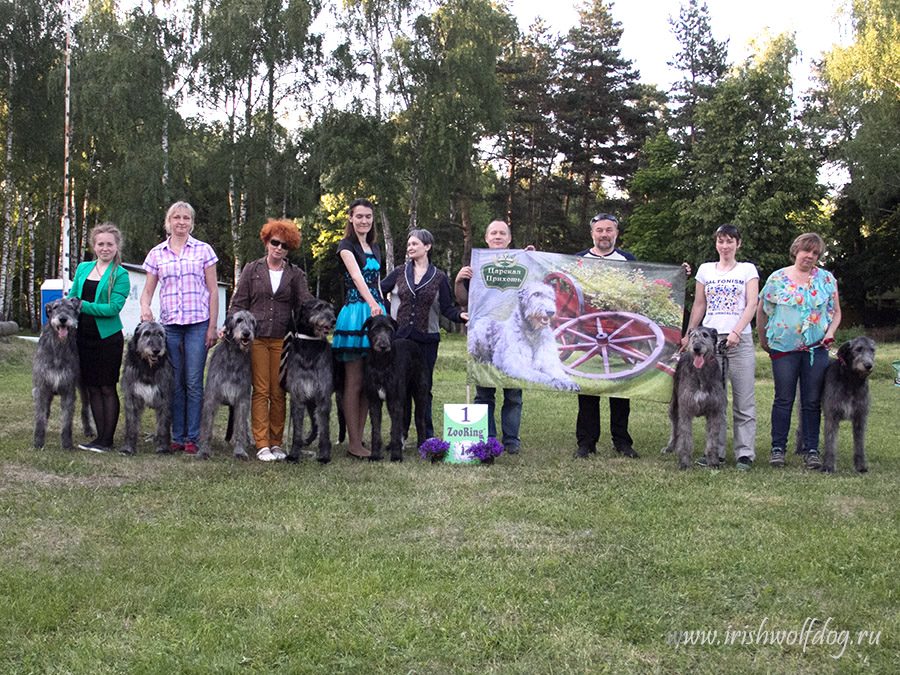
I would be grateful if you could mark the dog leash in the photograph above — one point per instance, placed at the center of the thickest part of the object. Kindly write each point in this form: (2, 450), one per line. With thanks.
(722, 350)
(805, 348)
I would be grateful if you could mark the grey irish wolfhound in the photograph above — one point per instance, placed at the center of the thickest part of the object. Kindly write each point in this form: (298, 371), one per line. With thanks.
(228, 382)
(845, 396)
(523, 346)
(307, 374)
(56, 371)
(147, 381)
(698, 391)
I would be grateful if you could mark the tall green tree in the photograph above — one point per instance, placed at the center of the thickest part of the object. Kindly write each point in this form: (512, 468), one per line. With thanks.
(856, 110)
(702, 62)
(751, 164)
(249, 49)
(455, 102)
(603, 114)
(528, 142)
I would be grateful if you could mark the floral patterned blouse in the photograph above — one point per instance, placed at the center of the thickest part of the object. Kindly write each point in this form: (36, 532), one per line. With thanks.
(798, 315)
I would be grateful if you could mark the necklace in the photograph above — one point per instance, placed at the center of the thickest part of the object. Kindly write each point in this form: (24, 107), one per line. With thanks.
(733, 265)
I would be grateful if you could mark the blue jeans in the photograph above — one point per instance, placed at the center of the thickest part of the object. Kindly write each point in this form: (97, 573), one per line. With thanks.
(510, 413)
(787, 370)
(187, 349)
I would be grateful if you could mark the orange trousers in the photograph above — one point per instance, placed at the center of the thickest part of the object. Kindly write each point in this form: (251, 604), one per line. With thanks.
(267, 409)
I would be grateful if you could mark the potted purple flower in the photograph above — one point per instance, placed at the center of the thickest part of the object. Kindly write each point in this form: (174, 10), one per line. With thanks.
(486, 451)
(434, 449)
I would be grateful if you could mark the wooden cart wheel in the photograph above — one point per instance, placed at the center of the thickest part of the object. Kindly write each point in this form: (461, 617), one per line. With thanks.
(617, 338)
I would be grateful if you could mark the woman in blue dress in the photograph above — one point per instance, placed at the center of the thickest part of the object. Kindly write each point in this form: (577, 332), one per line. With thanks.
(361, 259)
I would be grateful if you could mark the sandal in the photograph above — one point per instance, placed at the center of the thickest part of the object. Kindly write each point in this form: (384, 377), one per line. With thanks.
(265, 455)
(277, 452)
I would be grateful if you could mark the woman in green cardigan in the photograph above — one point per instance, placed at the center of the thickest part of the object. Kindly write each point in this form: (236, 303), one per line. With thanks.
(102, 285)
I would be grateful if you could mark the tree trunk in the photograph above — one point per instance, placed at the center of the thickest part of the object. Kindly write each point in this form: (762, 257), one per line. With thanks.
(32, 314)
(388, 240)
(465, 216)
(270, 135)
(20, 231)
(7, 215)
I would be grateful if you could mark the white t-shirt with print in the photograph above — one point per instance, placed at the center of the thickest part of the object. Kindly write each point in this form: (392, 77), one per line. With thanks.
(726, 295)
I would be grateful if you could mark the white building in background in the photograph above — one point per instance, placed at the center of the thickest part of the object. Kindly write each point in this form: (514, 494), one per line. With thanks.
(131, 313)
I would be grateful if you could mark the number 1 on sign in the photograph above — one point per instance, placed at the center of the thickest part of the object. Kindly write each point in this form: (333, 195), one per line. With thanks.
(465, 415)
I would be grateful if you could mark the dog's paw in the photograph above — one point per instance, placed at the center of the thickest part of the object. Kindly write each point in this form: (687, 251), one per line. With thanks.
(202, 455)
(667, 450)
(293, 459)
(862, 468)
(241, 455)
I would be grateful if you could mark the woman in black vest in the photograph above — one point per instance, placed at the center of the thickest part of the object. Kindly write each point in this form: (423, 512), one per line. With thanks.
(419, 294)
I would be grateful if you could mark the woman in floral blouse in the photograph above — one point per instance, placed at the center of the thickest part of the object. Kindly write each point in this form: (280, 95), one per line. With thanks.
(798, 314)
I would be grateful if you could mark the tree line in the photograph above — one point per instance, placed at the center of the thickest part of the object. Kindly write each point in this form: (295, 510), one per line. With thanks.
(448, 116)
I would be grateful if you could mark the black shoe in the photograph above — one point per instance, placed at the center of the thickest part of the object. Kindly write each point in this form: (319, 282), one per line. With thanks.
(812, 460)
(511, 449)
(627, 451)
(583, 451)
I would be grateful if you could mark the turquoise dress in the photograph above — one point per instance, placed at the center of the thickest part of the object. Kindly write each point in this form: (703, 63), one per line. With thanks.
(350, 342)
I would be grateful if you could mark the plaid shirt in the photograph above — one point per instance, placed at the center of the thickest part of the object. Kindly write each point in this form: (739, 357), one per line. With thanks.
(183, 294)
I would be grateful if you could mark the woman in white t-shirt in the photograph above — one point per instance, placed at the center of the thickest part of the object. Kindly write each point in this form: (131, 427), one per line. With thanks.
(726, 297)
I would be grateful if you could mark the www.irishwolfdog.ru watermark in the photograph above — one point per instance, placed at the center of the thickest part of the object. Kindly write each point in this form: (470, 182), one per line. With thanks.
(813, 633)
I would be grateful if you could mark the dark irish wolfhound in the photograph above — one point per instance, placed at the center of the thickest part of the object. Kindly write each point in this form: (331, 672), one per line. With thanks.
(394, 372)
(56, 371)
(845, 396)
(698, 391)
(147, 381)
(228, 382)
(307, 375)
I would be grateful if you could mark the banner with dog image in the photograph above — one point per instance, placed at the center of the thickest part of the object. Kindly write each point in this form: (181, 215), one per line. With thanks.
(563, 322)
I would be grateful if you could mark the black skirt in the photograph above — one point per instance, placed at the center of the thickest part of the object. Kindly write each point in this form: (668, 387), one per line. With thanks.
(101, 359)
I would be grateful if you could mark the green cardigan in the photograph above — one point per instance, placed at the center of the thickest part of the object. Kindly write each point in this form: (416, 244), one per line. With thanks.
(106, 307)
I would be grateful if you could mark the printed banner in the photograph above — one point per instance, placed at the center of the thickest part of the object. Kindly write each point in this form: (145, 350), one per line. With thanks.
(567, 323)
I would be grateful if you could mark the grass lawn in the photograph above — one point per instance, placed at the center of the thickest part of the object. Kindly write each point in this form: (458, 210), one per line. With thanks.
(541, 563)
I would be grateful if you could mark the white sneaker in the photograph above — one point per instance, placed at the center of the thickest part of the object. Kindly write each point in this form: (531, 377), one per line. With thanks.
(278, 453)
(265, 455)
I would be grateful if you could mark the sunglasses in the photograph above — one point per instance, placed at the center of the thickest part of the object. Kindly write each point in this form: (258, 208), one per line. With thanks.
(277, 243)
(605, 216)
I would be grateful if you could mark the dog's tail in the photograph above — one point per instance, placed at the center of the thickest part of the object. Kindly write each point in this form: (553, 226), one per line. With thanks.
(230, 428)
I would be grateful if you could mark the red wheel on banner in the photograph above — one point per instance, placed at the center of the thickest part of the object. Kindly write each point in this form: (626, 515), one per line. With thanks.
(616, 338)
(569, 298)
(569, 304)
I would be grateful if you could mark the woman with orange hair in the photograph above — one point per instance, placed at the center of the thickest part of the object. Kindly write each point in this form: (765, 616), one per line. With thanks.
(270, 288)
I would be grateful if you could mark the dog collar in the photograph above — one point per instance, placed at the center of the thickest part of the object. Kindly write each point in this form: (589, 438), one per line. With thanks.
(306, 337)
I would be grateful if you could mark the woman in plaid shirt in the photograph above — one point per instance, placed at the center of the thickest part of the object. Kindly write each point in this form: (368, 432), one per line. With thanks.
(184, 268)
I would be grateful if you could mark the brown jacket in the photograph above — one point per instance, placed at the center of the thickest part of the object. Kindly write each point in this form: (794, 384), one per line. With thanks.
(272, 310)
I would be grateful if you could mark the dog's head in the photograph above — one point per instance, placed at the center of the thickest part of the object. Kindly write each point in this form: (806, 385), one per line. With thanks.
(537, 303)
(380, 330)
(858, 355)
(62, 316)
(149, 341)
(314, 318)
(702, 344)
(241, 328)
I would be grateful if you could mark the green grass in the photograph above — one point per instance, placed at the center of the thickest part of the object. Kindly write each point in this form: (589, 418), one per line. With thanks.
(541, 563)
